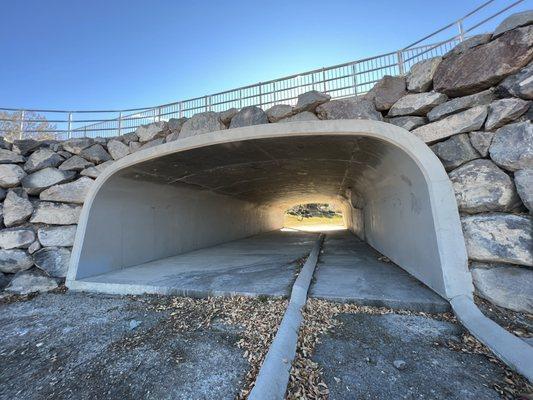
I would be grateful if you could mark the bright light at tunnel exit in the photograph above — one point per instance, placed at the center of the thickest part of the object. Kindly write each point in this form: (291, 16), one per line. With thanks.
(313, 217)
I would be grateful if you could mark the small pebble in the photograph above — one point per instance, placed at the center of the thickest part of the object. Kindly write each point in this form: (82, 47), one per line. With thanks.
(134, 324)
(400, 364)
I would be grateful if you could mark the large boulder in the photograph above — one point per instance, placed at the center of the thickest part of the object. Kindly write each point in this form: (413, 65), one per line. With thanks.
(95, 171)
(387, 91)
(174, 124)
(201, 123)
(10, 157)
(95, 154)
(408, 122)
(57, 236)
(455, 151)
(303, 116)
(512, 146)
(503, 111)
(152, 131)
(249, 116)
(10, 175)
(469, 43)
(518, 85)
(76, 145)
(12, 261)
(17, 208)
(279, 111)
(54, 261)
(309, 101)
(461, 103)
(32, 281)
(227, 116)
(499, 238)
(75, 163)
(42, 158)
(72, 192)
(117, 149)
(505, 286)
(152, 143)
(513, 21)
(481, 141)
(416, 104)
(483, 66)
(524, 186)
(352, 108)
(4, 144)
(38, 181)
(480, 186)
(26, 146)
(16, 238)
(466, 121)
(55, 213)
(420, 77)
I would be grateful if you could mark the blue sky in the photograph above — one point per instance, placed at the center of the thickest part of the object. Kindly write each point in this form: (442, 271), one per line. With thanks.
(121, 54)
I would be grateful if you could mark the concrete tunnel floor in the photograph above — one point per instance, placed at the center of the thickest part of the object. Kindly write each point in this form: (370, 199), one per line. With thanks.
(266, 264)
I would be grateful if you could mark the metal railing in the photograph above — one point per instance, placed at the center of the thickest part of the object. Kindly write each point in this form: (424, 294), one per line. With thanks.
(339, 81)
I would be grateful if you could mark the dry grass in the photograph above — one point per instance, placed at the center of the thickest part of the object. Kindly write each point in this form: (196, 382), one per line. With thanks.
(293, 222)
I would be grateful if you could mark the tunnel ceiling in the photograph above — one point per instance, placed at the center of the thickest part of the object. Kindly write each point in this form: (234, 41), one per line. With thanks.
(271, 171)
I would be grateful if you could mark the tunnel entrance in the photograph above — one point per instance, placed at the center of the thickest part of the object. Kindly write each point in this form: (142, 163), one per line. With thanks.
(157, 220)
(314, 217)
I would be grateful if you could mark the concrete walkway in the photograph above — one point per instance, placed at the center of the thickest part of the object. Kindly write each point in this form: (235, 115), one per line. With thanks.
(259, 265)
(349, 270)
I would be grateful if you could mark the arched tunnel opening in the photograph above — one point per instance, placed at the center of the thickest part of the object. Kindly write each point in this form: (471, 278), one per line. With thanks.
(204, 215)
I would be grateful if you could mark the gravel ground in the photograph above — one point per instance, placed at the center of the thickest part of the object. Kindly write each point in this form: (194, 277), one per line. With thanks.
(73, 345)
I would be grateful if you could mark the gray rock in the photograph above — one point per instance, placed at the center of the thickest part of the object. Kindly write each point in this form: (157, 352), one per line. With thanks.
(54, 261)
(466, 121)
(226, 116)
(4, 144)
(175, 124)
(55, 213)
(481, 67)
(4, 280)
(170, 138)
(17, 208)
(72, 192)
(303, 116)
(42, 158)
(57, 236)
(481, 141)
(387, 91)
(523, 180)
(455, 151)
(34, 247)
(117, 149)
(10, 157)
(152, 131)
(32, 281)
(518, 85)
(309, 101)
(94, 172)
(461, 103)
(201, 123)
(420, 77)
(417, 104)
(469, 43)
(499, 238)
(100, 140)
(132, 136)
(400, 364)
(75, 163)
(16, 238)
(503, 111)
(513, 21)
(480, 186)
(408, 122)
(3, 193)
(152, 143)
(134, 146)
(249, 116)
(134, 324)
(352, 108)
(26, 146)
(95, 154)
(507, 287)
(279, 111)
(76, 145)
(10, 175)
(38, 181)
(12, 261)
(512, 146)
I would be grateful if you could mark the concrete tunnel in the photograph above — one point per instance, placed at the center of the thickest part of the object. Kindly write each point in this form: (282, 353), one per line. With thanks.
(221, 186)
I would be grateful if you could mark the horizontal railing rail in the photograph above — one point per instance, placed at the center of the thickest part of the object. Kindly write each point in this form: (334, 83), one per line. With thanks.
(349, 79)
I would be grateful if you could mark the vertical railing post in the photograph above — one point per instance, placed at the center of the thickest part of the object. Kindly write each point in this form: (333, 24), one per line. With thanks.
(69, 125)
(461, 30)
(21, 126)
(180, 109)
(240, 98)
(260, 95)
(274, 94)
(354, 77)
(120, 124)
(324, 80)
(399, 55)
(205, 103)
(158, 114)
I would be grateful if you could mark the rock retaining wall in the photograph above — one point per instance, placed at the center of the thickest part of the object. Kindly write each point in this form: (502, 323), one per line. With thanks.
(472, 107)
